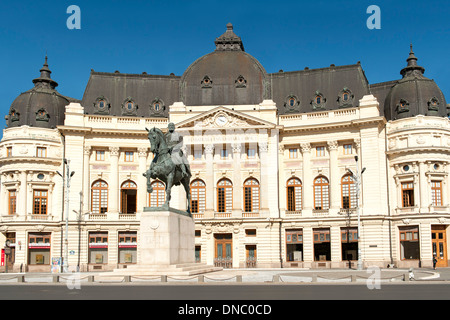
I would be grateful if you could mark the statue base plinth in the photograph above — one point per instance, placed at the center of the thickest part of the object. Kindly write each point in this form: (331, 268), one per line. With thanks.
(166, 244)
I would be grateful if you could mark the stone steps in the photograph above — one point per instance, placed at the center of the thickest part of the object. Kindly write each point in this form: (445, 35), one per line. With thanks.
(185, 269)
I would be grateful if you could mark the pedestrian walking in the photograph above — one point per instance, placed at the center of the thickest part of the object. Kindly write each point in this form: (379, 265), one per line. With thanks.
(434, 262)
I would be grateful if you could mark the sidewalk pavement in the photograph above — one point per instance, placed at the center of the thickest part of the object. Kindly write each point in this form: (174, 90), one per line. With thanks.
(257, 275)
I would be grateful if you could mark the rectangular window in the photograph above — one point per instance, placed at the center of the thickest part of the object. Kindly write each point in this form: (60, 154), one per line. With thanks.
(320, 151)
(40, 202)
(98, 247)
(409, 243)
(197, 154)
(41, 152)
(251, 153)
(293, 153)
(223, 153)
(128, 247)
(349, 238)
(100, 155)
(347, 149)
(436, 193)
(408, 194)
(294, 245)
(322, 247)
(129, 156)
(12, 201)
(39, 248)
(9, 151)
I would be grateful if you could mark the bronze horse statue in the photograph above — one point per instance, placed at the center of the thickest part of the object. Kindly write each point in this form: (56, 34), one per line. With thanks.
(163, 168)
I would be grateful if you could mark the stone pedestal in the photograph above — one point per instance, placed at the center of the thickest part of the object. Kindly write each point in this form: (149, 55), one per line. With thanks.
(166, 237)
(166, 245)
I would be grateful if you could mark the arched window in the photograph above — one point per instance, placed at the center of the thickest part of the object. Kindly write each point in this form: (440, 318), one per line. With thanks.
(321, 193)
(251, 195)
(128, 193)
(198, 196)
(158, 196)
(294, 194)
(99, 197)
(348, 192)
(224, 195)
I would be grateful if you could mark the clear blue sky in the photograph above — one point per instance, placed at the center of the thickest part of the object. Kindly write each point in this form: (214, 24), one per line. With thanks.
(161, 37)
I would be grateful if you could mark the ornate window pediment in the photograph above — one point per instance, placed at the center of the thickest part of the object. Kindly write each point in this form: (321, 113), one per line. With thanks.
(402, 106)
(433, 104)
(14, 115)
(101, 105)
(345, 98)
(157, 106)
(240, 82)
(292, 103)
(42, 115)
(319, 101)
(206, 82)
(129, 107)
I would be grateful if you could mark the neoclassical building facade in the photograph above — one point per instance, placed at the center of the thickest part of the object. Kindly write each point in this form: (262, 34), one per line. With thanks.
(289, 169)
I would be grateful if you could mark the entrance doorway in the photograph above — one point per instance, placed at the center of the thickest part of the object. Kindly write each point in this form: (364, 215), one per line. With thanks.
(439, 243)
(223, 243)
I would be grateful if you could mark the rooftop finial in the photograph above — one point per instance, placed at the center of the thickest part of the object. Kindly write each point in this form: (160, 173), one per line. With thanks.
(45, 75)
(411, 66)
(229, 41)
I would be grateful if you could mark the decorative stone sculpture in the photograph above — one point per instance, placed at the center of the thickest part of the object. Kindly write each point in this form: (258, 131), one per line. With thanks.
(169, 164)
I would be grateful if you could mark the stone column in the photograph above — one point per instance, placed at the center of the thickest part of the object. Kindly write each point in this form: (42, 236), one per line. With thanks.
(113, 198)
(335, 191)
(141, 180)
(21, 200)
(307, 183)
(237, 183)
(210, 196)
(423, 189)
(264, 177)
(86, 178)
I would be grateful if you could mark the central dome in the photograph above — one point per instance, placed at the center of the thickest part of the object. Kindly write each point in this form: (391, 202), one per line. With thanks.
(226, 76)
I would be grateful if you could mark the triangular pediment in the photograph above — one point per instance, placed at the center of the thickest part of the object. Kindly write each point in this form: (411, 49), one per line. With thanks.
(223, 118)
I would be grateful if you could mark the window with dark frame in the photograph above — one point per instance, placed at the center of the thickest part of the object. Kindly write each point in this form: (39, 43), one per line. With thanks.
(224, 196)
(408, 194)
(409, 243)
(294, 194)
(251, 195)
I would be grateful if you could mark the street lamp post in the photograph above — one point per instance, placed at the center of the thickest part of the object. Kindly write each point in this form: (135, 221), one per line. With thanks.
(357, 178)
(67, 179)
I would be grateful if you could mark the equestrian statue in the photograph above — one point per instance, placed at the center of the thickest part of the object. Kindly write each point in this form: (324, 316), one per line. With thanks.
(169, 164)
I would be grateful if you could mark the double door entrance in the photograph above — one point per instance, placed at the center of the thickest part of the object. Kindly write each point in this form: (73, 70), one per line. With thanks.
(223, 243)
(439, 245)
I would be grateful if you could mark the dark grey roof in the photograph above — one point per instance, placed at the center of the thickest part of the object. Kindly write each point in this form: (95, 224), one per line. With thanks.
(41, 106)
(328, 83)
(414, 94)
(225, 78)
(144, 90)
(380, 91)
